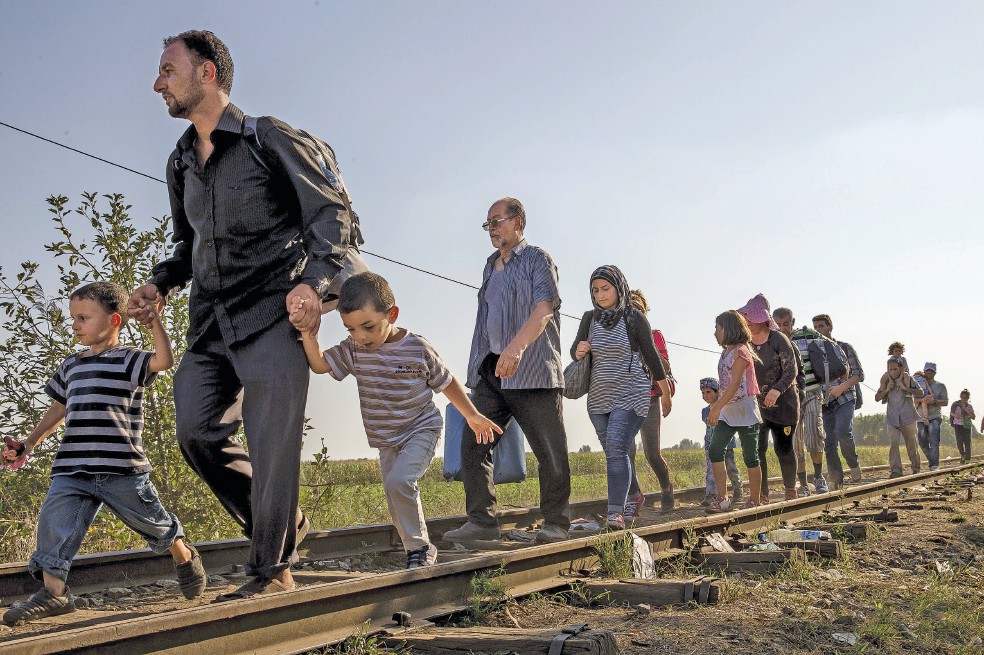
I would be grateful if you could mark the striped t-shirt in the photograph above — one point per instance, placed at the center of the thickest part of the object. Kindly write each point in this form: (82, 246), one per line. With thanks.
(397, 382)
(103, 398)
(618, 380)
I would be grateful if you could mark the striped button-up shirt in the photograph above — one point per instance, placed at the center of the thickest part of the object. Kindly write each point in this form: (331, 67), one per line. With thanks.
(529, 278)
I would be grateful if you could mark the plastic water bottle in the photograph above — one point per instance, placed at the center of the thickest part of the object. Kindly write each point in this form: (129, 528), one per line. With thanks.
(783, 534)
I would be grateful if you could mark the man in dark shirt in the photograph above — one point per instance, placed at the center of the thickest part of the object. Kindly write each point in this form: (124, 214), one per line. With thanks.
(257, 224)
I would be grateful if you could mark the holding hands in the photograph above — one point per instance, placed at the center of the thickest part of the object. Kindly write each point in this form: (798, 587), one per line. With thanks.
(304, 308)
(145, 305)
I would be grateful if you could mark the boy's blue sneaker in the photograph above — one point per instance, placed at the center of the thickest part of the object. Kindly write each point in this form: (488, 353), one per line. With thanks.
(820, 485)
(41, 605)
(423, 556)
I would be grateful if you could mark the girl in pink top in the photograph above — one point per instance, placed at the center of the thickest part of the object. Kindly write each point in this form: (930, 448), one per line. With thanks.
(736, 409)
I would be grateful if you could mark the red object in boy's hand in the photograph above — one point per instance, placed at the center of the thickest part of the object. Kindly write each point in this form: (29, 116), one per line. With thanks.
(12, 454)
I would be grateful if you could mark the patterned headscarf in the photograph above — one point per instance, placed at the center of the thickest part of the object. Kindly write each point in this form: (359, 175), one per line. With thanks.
(609, 317)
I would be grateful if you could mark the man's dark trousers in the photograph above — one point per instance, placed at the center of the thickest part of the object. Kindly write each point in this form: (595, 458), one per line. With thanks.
(539, 414)
(261, 384)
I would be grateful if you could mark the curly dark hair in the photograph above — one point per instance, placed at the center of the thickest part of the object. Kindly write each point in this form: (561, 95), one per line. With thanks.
(111, 297)
(205, 46)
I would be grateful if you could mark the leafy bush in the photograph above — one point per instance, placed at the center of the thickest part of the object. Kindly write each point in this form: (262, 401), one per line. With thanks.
(93, 244)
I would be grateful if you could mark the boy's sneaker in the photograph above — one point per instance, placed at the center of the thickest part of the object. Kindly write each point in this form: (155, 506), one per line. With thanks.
(708, 500)
(472, 532)
(633, 506)
(820, 485)
(720, 505)
(615, 521)
(191, 575)
(803, 491)
(423, 556)
(749, 504)
(856, 474)
(41, 605)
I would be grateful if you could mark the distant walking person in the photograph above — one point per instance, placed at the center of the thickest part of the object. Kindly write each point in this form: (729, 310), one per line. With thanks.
(624, 366)
(961, 418)
(838, 410)
(258, 224)
(898, 390)
(776, 369)
(649, 432)
(709, 388)
(515, 371)
(929, 429)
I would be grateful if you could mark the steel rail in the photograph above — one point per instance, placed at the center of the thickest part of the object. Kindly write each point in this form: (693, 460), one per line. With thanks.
(143, 566)
(319, 614)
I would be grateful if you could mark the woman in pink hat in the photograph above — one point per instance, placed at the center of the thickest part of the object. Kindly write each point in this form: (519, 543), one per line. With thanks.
(776, 369)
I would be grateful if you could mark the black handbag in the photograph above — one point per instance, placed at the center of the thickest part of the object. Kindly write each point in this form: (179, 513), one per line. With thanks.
(577, 377)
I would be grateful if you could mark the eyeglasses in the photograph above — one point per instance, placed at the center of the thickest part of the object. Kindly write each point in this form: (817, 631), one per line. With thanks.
(495, 223)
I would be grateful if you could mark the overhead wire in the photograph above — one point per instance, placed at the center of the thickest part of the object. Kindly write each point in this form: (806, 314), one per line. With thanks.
(367, 252)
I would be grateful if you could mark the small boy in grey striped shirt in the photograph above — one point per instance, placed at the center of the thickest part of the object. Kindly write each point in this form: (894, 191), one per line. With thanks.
(397, 373)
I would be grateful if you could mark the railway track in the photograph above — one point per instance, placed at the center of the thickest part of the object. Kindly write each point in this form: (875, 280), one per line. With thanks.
(324, 612)
(142, 566)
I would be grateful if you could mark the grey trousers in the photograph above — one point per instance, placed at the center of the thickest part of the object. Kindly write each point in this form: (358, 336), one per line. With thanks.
(261, 384)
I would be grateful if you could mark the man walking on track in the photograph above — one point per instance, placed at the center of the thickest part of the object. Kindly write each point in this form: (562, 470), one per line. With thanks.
(515, 371)
(256, 227)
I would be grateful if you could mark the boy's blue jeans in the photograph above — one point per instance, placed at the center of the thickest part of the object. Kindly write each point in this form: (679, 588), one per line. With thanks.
(616, 431)
(710, 489)
(929, 440)
(71, 506)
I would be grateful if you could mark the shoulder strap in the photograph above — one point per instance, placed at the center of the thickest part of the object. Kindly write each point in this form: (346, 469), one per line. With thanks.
(252, 139)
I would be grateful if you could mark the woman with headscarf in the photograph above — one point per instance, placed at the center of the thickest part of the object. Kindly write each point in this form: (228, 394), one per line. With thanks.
(624, 365)
(777, 369)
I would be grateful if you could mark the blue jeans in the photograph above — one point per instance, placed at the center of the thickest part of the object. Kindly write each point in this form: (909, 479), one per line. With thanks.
(929, 440)
(616, 431)
(838, 424)
(71, 506)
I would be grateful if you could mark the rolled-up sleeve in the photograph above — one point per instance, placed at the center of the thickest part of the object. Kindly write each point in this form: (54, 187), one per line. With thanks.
(545, 281)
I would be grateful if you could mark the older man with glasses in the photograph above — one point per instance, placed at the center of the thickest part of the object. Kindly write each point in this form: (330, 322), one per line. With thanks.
(515, 371)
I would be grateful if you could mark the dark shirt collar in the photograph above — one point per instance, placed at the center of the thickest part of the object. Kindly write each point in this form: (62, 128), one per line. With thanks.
(231, 121)
(516, 250)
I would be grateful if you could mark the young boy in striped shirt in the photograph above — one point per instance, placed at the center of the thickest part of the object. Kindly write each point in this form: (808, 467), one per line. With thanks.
(397, 373)
(98, 393)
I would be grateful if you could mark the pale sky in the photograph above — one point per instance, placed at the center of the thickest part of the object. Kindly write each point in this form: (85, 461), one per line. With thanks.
(825, 154)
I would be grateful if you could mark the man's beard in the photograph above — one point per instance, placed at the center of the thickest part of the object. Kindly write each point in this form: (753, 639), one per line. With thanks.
(183, 108)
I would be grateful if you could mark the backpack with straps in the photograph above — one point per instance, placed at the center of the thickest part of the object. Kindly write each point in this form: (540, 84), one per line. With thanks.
(324, 156)
(828, 360)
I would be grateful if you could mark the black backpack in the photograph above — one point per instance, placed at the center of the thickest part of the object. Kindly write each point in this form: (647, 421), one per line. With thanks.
(325, 157)
(828, 359)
